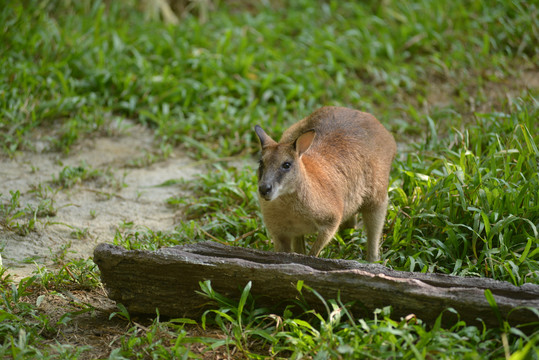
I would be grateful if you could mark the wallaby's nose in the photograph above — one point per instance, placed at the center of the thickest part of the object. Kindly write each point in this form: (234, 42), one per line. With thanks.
(264, 189)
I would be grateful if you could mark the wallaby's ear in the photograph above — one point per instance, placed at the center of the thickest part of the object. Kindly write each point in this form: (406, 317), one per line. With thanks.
(304, 141)
(264, 138)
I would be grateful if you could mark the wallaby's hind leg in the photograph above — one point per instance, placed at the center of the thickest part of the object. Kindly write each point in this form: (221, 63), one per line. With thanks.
(374, 218)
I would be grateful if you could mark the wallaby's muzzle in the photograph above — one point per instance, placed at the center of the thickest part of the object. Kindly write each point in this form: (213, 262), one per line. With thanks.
(265, 190)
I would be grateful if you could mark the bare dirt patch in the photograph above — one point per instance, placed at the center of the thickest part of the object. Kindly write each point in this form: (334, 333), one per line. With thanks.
(121, 192)
(489, 96)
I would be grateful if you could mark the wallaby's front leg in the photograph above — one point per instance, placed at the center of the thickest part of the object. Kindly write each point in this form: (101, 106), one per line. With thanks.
(285, 243)
(324, 237)
(298, 244)
(282, 243)
(349, 224)
(374, 218)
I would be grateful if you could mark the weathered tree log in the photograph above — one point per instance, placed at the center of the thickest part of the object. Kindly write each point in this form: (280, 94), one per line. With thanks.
(168, 279)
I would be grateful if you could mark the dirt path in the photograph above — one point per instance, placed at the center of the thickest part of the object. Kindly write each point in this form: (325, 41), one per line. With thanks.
(89, 211)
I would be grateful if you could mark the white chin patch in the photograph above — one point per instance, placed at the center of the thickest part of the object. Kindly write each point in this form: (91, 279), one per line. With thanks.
(275, 193)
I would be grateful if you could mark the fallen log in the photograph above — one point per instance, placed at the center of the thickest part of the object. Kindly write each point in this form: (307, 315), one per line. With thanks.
(168, 280)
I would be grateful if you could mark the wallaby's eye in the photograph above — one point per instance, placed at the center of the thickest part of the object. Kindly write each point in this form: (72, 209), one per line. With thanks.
(286, 165)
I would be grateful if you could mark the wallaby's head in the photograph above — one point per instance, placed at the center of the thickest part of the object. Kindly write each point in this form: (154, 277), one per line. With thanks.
(279, 169)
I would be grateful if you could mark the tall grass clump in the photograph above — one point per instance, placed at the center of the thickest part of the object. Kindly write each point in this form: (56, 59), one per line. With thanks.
(469, 204)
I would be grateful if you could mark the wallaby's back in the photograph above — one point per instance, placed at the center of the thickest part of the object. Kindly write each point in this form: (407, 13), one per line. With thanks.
(353, 145)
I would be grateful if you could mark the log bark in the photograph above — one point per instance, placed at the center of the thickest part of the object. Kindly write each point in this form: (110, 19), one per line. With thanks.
(168, 280)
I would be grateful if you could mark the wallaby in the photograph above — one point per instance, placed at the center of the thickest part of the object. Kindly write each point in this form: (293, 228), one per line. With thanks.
(325, 169)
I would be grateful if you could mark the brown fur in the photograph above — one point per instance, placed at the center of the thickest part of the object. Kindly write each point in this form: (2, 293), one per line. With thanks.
(339, 165)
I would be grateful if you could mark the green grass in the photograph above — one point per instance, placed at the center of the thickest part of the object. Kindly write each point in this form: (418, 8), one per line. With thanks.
(13, 217)
(337, 334)
(203, 85)
(463, 191)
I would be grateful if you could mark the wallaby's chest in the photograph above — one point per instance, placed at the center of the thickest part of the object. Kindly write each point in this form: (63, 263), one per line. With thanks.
(289, 216)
